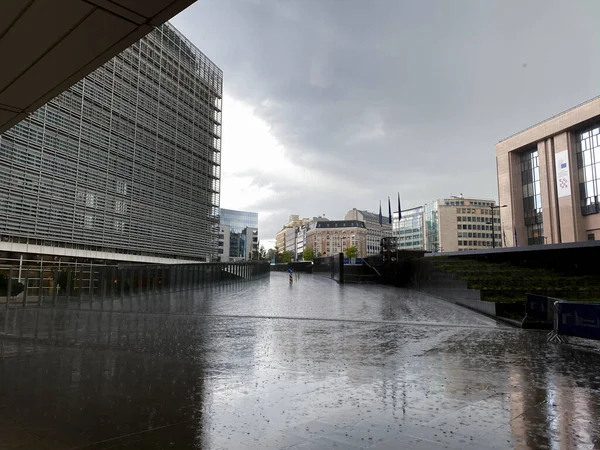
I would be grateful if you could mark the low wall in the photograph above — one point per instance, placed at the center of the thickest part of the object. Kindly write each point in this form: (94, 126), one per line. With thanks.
(298, 266)
(442, 284)
(330, 266)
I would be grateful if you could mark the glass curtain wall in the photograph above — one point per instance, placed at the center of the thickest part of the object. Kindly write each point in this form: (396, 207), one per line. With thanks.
(587, 145)
(532, 199)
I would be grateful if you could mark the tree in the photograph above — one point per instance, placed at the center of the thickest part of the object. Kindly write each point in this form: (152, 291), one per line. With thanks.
(351, 252)
(286, 257)
(308, 254)
(262, 253)
(271, 254)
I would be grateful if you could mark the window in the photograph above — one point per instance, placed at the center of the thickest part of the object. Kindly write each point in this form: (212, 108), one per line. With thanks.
(532, 200)
(591, 237)
(588, 162)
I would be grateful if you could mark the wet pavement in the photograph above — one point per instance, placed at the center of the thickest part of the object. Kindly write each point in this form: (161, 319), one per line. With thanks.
(312, 366)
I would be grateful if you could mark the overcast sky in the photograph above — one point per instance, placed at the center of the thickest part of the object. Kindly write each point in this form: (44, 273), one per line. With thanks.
(335, 104)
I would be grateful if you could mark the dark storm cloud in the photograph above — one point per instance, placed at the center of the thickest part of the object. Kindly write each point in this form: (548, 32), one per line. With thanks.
(406, 96)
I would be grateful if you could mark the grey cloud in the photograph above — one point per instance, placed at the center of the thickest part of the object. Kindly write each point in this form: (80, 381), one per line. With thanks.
(406, 96)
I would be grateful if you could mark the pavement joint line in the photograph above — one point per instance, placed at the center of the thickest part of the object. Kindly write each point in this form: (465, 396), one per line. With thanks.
(315, 319)
(150, 430)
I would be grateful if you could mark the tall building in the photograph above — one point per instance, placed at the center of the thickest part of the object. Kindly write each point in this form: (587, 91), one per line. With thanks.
(332, 237)
(124, 165)
(238, 237)
(375, 230)
(549, 179)
(410, 229)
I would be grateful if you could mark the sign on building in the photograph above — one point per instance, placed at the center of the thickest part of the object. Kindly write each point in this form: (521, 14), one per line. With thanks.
(563, 179)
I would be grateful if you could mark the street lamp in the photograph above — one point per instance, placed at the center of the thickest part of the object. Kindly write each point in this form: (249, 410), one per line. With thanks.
(493, 224)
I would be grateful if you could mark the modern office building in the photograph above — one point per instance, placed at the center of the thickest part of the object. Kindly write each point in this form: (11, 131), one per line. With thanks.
(448, 225)
(549, 179)
(238, 235)
(375, 230)
(332, 237)
(124, 165)
(458, 224)
(410, 229)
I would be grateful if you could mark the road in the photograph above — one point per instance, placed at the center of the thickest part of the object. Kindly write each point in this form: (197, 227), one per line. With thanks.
(267, 365)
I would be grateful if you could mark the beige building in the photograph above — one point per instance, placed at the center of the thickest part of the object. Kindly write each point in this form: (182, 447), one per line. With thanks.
(332, 237)
(375, 231)
(458, 223)
(284, 240)
(549, 178)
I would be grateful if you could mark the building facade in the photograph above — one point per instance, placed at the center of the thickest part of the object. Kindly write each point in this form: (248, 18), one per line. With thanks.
(124, 165)
(238, 238)
(332, 237)
(375, 230)
(410, 229)
(459, 224)
(285, 240)
(449, 225)
(549, 178)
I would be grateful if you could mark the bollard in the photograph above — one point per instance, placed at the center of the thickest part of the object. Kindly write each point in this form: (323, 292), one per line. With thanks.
(25, 287)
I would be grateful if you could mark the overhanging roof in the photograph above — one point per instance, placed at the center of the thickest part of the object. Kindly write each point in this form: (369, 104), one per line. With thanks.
(48, 45)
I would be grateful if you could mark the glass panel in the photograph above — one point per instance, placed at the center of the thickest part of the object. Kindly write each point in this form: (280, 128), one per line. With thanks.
(589, 173)
(589, 189)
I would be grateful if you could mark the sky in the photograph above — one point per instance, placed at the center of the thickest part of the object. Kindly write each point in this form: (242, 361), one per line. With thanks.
(331, 105)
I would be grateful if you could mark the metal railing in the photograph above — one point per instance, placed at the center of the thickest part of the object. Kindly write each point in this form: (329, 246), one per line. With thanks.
(38, 283)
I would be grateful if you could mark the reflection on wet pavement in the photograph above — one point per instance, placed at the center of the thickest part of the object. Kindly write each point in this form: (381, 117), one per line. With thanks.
(268, 366)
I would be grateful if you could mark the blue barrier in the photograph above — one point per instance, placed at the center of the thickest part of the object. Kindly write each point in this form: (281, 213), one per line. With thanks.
(536, 307)
(356, 261)
(577, 319)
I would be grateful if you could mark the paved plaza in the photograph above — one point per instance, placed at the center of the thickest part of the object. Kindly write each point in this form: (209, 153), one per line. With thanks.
(266, 365)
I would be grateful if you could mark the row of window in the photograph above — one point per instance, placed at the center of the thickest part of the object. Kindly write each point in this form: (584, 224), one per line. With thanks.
(477, 244)
(487, 212)
(477, 227)
(477, 219)
(477, 235)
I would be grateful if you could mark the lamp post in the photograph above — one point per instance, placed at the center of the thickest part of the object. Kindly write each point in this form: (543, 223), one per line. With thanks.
(493, 224)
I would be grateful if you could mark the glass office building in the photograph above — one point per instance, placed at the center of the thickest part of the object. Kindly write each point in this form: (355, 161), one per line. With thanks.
(126, 161)
(238, 220)
(243, 233)
(410, 229)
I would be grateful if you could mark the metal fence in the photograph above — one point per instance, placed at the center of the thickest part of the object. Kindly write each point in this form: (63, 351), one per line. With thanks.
(38, 283)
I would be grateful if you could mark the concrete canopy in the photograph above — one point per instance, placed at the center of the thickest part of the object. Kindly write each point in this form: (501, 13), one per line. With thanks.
(48, 45)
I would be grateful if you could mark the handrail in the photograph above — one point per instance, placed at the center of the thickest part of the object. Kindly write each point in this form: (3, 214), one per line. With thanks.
(371, 267)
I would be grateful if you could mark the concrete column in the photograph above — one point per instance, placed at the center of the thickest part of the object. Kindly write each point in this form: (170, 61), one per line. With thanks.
(568, 208)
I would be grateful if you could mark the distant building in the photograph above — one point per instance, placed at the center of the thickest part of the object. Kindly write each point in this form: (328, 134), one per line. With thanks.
(238, 235)
(458, 223)
(301, 241)
(375, 230)
(332, 237)
(286, 240)
(549, 179)
(224, 242)
(410, 230)
(449, 225)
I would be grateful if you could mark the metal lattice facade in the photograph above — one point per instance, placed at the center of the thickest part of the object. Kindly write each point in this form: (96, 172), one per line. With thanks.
(127, 160)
